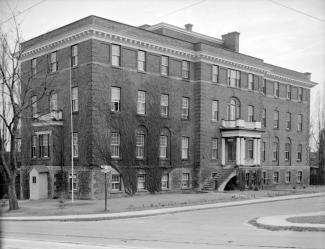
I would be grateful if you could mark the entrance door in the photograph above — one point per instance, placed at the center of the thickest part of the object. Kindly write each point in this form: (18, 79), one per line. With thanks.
(231, 151)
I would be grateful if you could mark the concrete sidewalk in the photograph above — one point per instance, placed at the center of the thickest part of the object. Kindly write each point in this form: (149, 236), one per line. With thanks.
(152, 212)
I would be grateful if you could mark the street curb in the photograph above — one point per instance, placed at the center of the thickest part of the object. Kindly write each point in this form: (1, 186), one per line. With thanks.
(153, 212)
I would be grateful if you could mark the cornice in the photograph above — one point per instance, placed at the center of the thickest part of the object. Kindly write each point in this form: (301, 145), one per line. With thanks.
(99, 33)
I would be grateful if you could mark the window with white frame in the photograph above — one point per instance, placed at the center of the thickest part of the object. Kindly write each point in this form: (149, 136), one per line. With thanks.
(75, 144)
(299, 122)
(163, 145)
(287, 149)
(185, 148)
(185, 180)
(53, 101)
(250, 113)
(214, 149)
(140, 145)
(164, 105)
(75, 104)
(75, 184)
(74, 55)
(34, 105)
(275, 150)
(185, 70)
(115, 99)
(289, 92)
(233, 78)
(164, 65)
(276, 120)
(250, 149)
(116, 55)
(141, 103)
(250, 81)
(141, 181)
(288, 120)
(299, 176)
(185, 107)
(116, 182)
(141, 61)
(264, 118)
(299, 152)
(34, 141)
(276, 177)
(215, 74)
(276, 89)
(215, 110)
(300, 94)
(165, 181)
(44, 148)
(288, 177)
(53, 62)
(115, 145)
(34, 66)
(233, 109)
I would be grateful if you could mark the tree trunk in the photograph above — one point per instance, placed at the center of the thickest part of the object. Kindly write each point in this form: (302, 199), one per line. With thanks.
(12, 195)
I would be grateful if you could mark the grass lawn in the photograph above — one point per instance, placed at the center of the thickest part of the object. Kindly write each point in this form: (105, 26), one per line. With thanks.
(317, 219)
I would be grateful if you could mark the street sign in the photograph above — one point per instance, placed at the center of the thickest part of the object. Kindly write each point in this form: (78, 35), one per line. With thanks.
(106, 169)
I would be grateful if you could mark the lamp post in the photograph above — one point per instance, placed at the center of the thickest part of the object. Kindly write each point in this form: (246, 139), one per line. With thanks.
(106, 169)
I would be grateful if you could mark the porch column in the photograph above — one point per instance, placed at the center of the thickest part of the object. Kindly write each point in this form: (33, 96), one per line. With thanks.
(238, 156)
(255, 151)
(259, 151)
(242, 153)
(223, 151)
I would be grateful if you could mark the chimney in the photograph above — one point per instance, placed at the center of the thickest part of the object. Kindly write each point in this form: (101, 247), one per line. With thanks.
(188, 27)
(231, 41)
(308, 75)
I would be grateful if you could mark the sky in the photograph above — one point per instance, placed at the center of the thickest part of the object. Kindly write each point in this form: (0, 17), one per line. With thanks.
(286, 33)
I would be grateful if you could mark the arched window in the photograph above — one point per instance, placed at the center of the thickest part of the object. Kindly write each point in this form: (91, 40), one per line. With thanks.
(164, 144)
(53, 101)
(287, 151)
(275, 150)
(233, 109)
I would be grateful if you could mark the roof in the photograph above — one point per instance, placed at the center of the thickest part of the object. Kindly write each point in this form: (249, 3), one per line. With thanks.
(40, 168)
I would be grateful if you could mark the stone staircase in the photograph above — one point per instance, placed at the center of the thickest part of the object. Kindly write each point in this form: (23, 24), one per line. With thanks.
(212, 183)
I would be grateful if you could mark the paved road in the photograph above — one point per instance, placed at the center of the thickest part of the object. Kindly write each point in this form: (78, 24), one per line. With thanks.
(215, 228)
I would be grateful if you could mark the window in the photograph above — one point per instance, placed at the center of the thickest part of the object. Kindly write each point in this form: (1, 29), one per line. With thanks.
(74, 187)
(18, 144)
(288, 177)
(215, 74)
(34, 179)
(74, 55)
(44, 148)
(233, 110)
(264, 86)
(34, 67)
(163, 145)
(275, 177)
(116, 55)
(275, 149)
(185, 180)
(164, 65)
(140, 146)
(141, 181)
(250, 149)
(299, 122)
(300, 94)
(264, 118)
(165, 181)
(185, 70)
(116, 182)
(75, 144)
(246, 179)
(250, 81)
(53, 62)
(185, 107)
(53, 101)
(141, 105)
(263, 144)
(214, 149)
(250, 113)
(289, 92)
(164, 105)
(115, 145)
(288, 121)
(141, 61)
(287, 152)
(115, 99)
(299, 176)
(276, 89)
(185, 149)
(233, 78)
(75, 99)
(264, 177)
(276, 120)
(34, 106)
(215, 110)
(34, 140)
(299, 152)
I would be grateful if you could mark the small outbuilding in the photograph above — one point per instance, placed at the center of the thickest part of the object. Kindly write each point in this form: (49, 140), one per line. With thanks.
(38, 182)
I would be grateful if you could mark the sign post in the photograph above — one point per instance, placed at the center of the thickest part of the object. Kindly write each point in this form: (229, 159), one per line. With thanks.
(106, 169)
